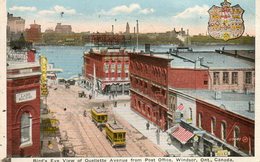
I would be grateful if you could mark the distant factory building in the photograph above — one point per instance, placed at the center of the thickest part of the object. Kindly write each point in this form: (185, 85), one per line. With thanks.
(33, 34)
(15, 26)
(63, 28)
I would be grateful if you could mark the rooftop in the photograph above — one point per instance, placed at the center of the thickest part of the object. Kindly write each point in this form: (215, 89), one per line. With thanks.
(237, 103)
(215, 60)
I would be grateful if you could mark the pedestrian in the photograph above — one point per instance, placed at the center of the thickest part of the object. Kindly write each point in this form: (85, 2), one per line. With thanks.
(147, 125)
(103, 105)
(110, 97)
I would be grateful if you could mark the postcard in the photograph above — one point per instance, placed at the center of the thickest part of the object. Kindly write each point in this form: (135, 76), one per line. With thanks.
(129, 81)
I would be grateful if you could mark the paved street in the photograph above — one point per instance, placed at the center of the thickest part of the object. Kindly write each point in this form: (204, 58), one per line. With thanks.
(85, 137)
(138, 122)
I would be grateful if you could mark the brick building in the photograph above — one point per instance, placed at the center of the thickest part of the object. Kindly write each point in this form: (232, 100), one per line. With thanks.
(23, 109)
(152, 75)
(110, 68)
(63, 28)
(33, 34)
(227, 73)
(227, 118)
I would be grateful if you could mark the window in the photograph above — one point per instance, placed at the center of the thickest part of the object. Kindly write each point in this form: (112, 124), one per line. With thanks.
(248, 77)
(119, 67)
(225, 78)
(223, 130)
(200, 118)
(234, 77)
(119, 75)
(113, 66)
(126, 75)
(106, 67)
(216, 78)
(26, 129)
(213, 125)
(236, 136)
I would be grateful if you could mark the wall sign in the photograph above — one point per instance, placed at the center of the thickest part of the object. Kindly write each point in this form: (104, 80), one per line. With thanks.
(226, 22)
(25, 96)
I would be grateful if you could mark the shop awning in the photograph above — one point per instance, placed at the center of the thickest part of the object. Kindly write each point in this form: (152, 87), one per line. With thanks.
(182, 135)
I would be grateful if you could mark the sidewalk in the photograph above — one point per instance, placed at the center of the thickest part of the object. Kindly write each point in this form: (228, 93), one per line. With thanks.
(139, 123)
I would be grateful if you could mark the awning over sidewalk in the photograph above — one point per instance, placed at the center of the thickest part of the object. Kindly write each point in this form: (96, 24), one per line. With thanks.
(182, 135)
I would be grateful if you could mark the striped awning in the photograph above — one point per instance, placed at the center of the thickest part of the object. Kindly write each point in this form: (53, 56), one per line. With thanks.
(182, 135)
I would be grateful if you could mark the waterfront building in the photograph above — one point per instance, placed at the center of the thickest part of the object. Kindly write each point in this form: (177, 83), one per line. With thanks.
(107, 70)
(15, 26)
(222, 121)
(33, 34)
(63, 28)
(23, 105)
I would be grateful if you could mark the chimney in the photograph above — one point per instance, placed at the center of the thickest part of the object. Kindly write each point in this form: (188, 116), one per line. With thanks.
(251, 106)
(197, 63)
(218, 95)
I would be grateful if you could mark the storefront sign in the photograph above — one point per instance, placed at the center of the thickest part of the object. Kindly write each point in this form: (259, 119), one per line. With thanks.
(25, 96)
(226, 22)
(44, 63)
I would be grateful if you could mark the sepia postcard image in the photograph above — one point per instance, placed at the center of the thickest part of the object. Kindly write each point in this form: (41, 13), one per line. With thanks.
(129, 81)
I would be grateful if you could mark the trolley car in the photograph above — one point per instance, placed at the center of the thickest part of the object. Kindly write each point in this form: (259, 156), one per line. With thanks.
(115, 134)
(99, 117)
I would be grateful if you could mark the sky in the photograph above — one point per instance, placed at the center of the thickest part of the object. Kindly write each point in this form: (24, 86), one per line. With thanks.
(100, 15)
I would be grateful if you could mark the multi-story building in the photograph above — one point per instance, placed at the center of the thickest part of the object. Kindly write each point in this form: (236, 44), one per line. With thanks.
(23, 108)
(227, 73)
(15, 26)
(107, 70)
(33, 34)
(226, 118)
(63, 28)
(151, 76)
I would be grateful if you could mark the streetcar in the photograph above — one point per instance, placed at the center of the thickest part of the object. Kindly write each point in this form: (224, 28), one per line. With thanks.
(99, 117)
(115, 134)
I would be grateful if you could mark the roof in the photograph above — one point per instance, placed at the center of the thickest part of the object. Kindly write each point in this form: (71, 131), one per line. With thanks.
(21, 65)
(237, 103)
(114, 125)
(176, 61)
(100, 110)
(215, 60)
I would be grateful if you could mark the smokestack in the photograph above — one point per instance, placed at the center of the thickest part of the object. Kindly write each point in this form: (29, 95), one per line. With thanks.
(112, 28)
(134, 30)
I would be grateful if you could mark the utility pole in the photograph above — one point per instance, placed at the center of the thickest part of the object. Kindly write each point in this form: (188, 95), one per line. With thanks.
(137, 32)
(94, 81)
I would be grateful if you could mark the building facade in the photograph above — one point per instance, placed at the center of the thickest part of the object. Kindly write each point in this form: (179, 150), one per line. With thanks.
(23, 109)
(33, 34)
(15, 27)
(152, 75)
(107, 70)
(63, 28)
(223, 122)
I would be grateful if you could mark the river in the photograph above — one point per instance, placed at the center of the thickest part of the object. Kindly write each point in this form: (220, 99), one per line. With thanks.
(70, 58)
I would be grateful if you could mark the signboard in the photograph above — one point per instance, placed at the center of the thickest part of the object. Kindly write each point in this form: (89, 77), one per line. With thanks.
(25, 96)
(177, 117)
(223, 153)
(44, 63)
(226, 22)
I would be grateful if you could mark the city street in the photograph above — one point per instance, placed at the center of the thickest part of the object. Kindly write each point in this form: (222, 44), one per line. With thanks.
(85, 137)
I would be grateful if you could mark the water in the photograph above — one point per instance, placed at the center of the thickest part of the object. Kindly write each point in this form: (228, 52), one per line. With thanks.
(70, 58)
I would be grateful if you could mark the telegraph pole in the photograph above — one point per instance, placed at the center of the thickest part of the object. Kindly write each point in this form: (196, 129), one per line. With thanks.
(137, 31)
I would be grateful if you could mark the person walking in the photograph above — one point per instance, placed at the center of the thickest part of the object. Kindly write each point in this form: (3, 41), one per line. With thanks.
(147, 125)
